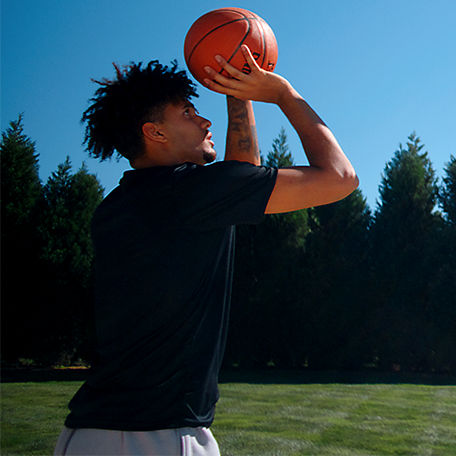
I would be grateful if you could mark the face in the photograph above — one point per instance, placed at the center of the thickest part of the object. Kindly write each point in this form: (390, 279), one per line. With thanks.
(187, 134)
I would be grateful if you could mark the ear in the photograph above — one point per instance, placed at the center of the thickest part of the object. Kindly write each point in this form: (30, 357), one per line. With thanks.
(152, 132)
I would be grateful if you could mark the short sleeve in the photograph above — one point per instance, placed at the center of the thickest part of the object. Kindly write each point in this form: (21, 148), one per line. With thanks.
(222, 194)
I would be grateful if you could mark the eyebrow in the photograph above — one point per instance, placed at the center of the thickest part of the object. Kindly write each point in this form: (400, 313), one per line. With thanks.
(189, 104)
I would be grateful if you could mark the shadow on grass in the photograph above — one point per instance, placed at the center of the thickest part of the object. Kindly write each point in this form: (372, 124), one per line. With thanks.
(270, 376)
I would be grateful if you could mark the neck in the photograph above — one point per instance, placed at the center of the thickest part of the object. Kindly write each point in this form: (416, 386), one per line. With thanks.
(152, 157)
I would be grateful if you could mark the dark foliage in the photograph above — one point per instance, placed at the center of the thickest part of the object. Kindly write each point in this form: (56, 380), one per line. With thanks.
(47, 257)
(329, 288)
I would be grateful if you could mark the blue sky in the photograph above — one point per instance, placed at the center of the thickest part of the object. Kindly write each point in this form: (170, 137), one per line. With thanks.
(374, 70)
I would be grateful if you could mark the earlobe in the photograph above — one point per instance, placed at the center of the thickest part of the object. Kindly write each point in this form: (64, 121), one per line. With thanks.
(151, 132)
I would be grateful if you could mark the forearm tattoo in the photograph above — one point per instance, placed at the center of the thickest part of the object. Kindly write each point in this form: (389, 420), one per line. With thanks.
(241, 134)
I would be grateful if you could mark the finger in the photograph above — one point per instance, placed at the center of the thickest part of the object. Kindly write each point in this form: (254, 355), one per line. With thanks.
(216, 87)
(249, 58)
(221, 84)
(221, 79)
(231, 70)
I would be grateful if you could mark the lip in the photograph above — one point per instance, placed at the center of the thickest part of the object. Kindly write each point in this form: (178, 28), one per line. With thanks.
(209, 137)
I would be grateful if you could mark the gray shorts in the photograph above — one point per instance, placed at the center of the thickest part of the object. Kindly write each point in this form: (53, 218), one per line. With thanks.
(169, 442)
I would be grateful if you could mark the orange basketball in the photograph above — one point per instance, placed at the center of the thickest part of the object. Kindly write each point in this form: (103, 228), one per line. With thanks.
(223, 32)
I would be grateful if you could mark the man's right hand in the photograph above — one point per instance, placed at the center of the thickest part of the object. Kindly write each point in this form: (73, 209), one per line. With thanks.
(258, 85)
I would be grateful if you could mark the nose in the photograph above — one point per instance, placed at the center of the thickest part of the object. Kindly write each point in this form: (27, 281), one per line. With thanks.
(205, 123)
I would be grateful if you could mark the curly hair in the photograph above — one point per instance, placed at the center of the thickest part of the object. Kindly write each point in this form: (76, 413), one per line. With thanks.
(121, 106)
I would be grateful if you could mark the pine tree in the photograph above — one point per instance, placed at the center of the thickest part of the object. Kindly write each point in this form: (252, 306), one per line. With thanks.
(67, 257)
(403, 233)
(443, 280)
(280, 156)
(20, 193)
(448, 194)
(267, 257)
(21, 186)
(333, 298)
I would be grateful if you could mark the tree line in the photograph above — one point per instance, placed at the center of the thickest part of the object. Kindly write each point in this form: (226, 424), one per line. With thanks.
(337, 287)
(46, 256)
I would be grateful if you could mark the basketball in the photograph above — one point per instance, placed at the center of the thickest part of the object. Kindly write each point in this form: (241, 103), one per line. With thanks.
(223, 32)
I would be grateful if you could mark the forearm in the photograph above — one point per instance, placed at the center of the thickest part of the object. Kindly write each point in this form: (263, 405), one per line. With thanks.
(241, 139)
(329, 176)
(321, 147)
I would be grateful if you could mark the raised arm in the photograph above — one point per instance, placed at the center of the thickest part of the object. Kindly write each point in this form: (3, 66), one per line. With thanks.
(241, 138)
(329, 176)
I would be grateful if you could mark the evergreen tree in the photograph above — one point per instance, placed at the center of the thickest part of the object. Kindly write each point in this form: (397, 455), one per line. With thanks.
(280, 156)
(20, 193)
(403, 234)
(448, 195)
(333, 295)
(21, 186)
(66, 328)
(267, 258)
(70, 203)
(443, 281)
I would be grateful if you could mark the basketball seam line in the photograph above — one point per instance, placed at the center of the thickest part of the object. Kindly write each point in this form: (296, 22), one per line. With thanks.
(223, 25)
(239, 46)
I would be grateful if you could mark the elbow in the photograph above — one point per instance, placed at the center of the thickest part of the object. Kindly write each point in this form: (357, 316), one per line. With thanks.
(352, 180)
(344, 182)
(339, 186)
(349, 182)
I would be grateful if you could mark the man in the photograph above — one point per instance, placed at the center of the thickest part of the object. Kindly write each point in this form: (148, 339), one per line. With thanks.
(163, 243)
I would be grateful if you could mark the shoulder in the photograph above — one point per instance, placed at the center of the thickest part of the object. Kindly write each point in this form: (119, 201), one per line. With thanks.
(231, 169)
(222, 179)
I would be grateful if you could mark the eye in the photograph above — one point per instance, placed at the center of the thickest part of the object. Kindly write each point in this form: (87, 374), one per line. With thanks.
(190, 111)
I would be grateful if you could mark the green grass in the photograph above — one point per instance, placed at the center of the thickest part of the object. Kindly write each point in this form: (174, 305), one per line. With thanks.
(268, 419)
(336, 420)
(33, 415)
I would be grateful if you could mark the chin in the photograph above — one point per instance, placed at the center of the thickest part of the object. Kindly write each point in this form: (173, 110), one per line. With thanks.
(209, 157)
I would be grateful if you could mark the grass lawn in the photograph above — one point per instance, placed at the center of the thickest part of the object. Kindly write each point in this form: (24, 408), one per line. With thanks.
(272, 419)
(32, 416)
(336, 419)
